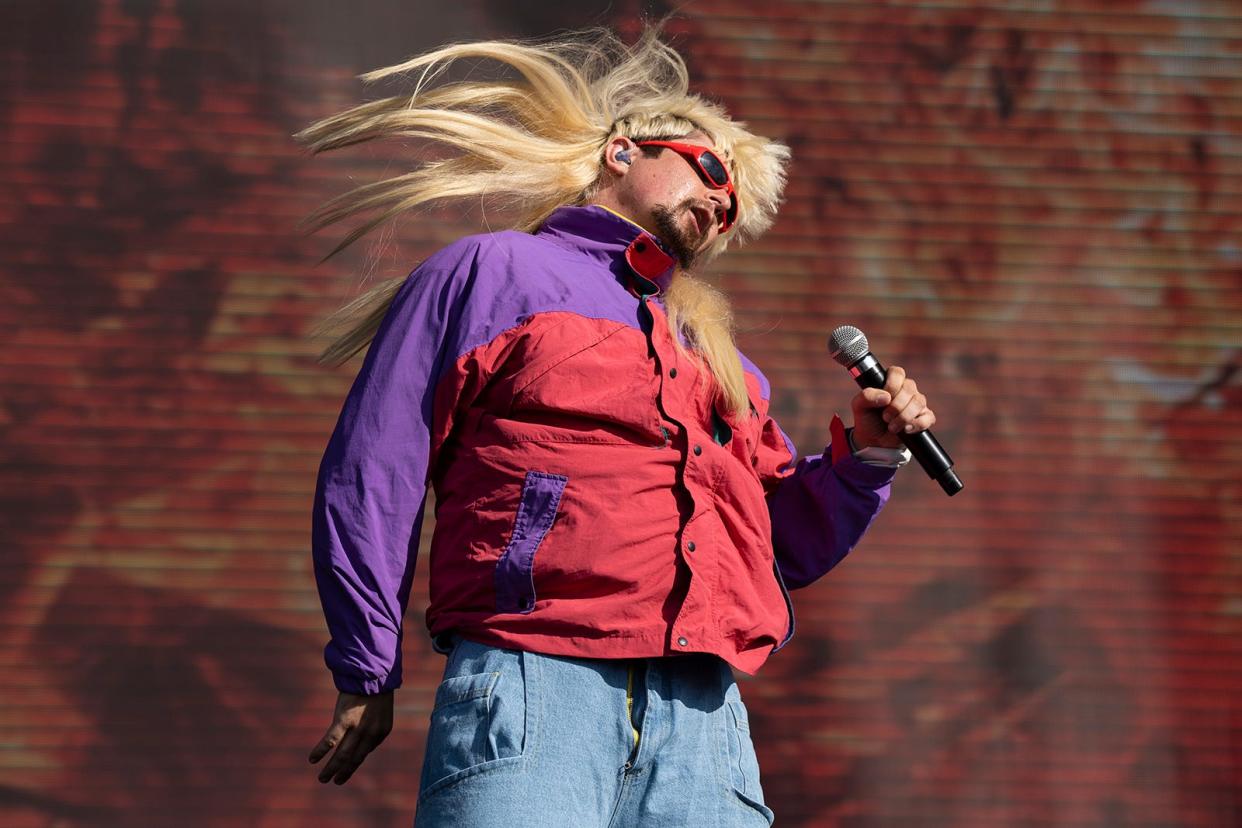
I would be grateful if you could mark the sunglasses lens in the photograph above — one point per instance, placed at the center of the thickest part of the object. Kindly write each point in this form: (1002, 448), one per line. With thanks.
(714, 169)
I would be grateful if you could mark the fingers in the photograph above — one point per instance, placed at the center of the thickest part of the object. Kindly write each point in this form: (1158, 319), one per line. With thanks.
(908, 413)
(906, 410)
(882, 414)
(894, 380)
(902, 390)
(348, 756)
(924, 419)
(355, 747)
(359, 725)
(330, 740)
(872, 398)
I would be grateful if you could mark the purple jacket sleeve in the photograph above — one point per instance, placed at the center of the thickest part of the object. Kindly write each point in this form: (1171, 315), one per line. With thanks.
(368, 507)
(820, 506)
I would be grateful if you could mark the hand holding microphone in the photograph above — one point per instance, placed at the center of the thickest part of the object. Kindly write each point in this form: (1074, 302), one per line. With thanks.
(891, 410)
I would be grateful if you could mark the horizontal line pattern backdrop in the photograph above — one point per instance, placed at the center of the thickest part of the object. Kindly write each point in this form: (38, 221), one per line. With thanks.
(1032, 206)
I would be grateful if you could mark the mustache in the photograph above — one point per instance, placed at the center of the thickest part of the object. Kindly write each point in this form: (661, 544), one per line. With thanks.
(685, 244)
(687, 205)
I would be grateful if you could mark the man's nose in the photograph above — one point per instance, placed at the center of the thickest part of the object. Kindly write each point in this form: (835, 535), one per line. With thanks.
(721, 201)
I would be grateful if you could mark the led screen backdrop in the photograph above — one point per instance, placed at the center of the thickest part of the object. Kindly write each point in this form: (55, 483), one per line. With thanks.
(1034, 207)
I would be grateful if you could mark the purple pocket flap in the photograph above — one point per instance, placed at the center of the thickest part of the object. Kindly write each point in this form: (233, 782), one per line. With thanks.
(515, 582)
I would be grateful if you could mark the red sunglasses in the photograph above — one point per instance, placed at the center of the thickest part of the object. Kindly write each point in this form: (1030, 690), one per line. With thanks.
(710, 168)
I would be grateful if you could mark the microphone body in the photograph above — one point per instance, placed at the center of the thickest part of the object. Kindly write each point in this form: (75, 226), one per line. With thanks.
(869, 373)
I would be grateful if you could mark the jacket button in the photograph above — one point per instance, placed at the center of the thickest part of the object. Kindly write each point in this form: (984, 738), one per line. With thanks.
(672, 373)
(698, 450)
(682, 641)
(689, 546)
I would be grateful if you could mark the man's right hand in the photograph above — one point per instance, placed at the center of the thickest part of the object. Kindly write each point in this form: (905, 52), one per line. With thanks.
(359, 724)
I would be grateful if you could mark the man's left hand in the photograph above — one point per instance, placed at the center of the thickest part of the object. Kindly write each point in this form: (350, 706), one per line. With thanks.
(881, 414)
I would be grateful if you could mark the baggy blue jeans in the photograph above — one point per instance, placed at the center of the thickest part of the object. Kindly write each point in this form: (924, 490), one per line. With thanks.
(523, 739)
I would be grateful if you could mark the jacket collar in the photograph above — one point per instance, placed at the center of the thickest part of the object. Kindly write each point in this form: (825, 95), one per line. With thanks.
(629, 251)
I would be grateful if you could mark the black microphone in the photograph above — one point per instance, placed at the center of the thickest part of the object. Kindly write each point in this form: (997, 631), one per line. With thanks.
(848, 346)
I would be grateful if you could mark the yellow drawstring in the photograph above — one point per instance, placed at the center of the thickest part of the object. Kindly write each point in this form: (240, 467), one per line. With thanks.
(629, 701)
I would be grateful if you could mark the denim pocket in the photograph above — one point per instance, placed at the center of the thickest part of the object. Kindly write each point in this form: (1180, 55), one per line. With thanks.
(478, 724)
(743, 764)
(515, 579)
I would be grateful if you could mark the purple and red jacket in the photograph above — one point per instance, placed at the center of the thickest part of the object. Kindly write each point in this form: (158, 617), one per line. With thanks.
(591, 499)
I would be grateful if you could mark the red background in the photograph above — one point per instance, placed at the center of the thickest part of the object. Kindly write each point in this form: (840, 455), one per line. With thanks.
(1031, 206)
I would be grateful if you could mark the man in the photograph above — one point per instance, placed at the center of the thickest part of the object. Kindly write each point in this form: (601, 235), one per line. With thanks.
(618, 519)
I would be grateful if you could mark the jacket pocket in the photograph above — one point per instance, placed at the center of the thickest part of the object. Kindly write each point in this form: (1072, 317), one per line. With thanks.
(515, 582)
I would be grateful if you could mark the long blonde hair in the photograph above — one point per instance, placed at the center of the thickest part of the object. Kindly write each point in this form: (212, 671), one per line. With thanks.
(532, 143)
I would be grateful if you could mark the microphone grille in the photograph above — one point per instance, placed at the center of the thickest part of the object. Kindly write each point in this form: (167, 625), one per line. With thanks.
(847, 345)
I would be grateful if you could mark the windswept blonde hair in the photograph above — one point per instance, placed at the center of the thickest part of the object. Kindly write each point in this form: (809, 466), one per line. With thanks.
(532, 143)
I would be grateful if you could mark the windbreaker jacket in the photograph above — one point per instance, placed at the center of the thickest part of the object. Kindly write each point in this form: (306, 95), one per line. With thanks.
(590, 499)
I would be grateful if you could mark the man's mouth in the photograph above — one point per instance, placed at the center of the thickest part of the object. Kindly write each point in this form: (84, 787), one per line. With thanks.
(704, 219)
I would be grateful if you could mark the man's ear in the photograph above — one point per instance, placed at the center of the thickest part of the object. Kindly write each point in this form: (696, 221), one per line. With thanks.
(619, 155)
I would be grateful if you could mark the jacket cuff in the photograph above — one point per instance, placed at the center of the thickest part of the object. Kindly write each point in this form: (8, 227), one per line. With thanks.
(892, 458)
(347, 683)
(850, 467)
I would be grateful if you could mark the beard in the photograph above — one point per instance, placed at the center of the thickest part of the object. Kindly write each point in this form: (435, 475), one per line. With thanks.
(684, 244)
